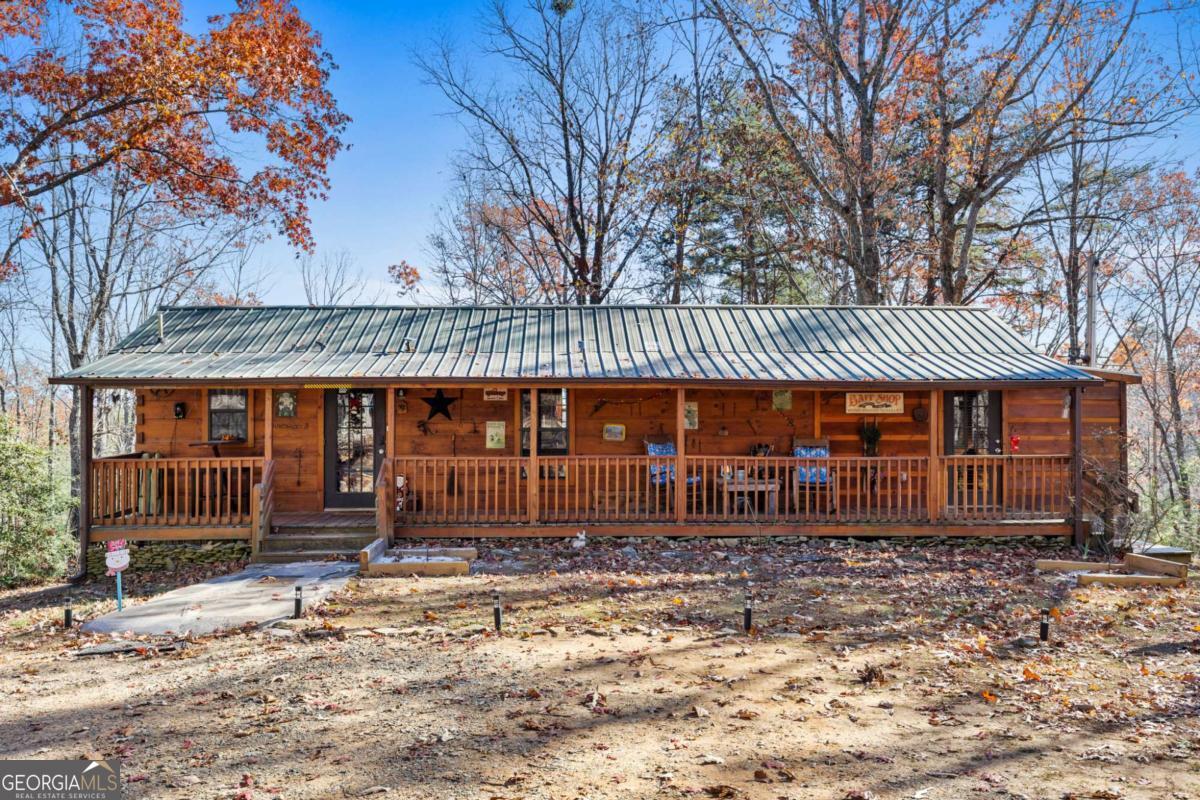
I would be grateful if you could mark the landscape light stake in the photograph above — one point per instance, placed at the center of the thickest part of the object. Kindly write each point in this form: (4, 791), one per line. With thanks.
(497, 617)
(67, 617)
(1044, 628)
(299, 602)
(748, 613)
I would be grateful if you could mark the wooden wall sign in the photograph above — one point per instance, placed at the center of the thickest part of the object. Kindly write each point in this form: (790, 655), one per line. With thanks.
(874, 402)
(494, 395)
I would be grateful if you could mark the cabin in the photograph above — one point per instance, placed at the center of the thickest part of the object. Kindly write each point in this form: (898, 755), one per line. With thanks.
(474, 421)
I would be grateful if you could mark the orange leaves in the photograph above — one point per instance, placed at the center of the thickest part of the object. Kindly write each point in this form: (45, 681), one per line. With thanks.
(146, 95)
(988, 696)
(1030, 675)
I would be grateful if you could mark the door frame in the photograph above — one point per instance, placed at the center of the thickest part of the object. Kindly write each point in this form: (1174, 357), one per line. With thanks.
(330, 497)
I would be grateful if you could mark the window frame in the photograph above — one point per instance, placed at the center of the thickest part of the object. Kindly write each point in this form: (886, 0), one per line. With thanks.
(231, 413)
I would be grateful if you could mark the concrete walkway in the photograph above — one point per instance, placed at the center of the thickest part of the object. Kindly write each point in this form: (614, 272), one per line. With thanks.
(260, 594)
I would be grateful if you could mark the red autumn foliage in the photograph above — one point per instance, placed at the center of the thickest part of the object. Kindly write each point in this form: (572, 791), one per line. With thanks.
(94, 84)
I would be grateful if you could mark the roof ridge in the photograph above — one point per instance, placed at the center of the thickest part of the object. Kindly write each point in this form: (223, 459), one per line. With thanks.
(548, 306)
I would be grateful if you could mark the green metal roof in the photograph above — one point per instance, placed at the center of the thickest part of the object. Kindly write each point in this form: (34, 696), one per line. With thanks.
(777, 344)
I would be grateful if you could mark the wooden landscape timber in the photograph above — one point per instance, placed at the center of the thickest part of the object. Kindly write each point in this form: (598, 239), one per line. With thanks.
(375, 560)
(1133, 570)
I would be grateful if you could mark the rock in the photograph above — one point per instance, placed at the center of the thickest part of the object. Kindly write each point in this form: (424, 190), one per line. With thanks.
(389, 631)
(630, 552)
(709, 758)
(282, 633)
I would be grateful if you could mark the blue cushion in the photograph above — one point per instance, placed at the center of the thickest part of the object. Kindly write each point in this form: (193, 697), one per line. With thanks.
(660, 449)
(818, 475)
(812, 475)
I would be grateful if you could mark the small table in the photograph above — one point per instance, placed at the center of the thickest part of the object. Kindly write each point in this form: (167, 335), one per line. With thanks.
(732, 488)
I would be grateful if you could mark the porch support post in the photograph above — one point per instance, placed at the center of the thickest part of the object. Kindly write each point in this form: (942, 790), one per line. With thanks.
(534, 473)
(389, 453)
(934, 480)
(268, 424)
(1077, 464)
(680, 457)
(84, 509)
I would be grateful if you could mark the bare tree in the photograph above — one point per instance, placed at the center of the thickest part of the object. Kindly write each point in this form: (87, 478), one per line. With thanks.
(97, 258)
(560, 150)
(831, 78)
(335, 279)
(1156, 303)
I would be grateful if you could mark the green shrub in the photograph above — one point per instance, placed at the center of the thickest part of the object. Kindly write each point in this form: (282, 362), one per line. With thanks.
(34, 501)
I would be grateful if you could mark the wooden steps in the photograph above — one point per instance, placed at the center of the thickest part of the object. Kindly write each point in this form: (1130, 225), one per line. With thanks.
(316, 537)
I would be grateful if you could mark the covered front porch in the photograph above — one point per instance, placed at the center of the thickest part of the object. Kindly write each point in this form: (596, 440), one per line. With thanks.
(700, 486)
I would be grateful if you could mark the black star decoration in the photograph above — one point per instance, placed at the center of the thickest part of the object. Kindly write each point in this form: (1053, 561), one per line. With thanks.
(439, 404)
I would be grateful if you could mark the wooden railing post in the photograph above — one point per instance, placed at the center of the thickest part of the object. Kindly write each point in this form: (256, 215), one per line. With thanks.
(385, 504)
(534, 472)
(1077, 464)
(256, 492)
(935, 480)
(85, 510)
(681, 477)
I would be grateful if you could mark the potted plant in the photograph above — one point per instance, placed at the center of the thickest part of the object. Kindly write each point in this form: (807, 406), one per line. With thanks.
(870, 435)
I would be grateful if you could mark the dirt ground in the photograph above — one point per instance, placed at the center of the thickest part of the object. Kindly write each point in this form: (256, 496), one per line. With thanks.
(875, 670)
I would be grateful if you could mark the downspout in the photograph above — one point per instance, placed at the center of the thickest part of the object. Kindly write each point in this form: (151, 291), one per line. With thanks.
(84, 511)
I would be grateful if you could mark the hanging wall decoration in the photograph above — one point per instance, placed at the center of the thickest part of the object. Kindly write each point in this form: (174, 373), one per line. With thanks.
(781, 400)
(285, 403)
(494, 435)
(691, 416)
(439, 404)
(613, 433)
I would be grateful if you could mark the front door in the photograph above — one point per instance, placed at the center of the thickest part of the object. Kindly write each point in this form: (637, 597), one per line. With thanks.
(972, 427)
(354, 446)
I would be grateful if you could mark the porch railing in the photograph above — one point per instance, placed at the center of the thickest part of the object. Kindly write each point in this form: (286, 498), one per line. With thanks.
(439, 490)
(793, 490)
(150, 492)
(1007, 487)
(262, 506)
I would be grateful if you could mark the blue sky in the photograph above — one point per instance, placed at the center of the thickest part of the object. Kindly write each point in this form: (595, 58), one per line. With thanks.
(386, 188)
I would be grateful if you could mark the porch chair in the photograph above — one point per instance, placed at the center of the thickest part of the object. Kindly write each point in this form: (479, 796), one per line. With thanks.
(664, 475)
(812, 481)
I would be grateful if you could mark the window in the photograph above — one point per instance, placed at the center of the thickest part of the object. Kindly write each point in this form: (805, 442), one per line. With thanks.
(552, 422)
(227, 417)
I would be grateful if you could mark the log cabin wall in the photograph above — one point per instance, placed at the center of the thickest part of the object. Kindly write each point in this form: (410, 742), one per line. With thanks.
(1037, 417)
(464, 434)
(159, 432)
(730, 422)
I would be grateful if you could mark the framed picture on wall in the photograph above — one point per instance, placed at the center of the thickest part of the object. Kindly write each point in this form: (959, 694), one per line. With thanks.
(494, 435)
(285, 403)
(614, 433)
(781, 399)
(691, 416)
